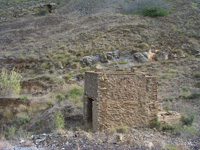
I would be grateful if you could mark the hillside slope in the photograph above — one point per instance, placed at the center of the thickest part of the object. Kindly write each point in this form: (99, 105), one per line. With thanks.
(52, 51)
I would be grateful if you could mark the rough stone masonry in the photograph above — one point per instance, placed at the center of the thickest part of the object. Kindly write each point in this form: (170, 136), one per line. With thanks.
(113, 99)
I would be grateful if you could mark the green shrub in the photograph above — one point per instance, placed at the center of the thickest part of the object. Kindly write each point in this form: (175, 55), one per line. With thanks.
(38, 122)
(197, 75)
(193, 95)
(74, 93)
(49, 104)
(151, 8)
(168, 127)
(185, 89)
(198, 84)
(67, 77)
(187, 120)
(166, 108)
(11, 131)
(155, 12)
(10, 83)
(60, 97)
(155, 123)
(23, 119)
(59, 121)
(41, 11)
(25, 97)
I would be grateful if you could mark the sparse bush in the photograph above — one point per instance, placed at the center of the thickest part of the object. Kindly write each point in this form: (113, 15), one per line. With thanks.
(187, 120)
(168, 127)
(166, 108)
(49, 104)
(155, 12)
(38, 122)
(41, 11)
(25, 97)
(168, 98)
(198, 84)
(151, 8)
(11, 131)
(60, 97)
(23, 119)
(185, 89)
(8, 114)
(67, 77)
(10, 83)
(59, 121)
(74, 93)
(197, 75)
(155, 123)
(193, 95)
(178, 52)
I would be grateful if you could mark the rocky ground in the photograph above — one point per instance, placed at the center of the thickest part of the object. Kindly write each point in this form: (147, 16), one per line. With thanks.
(53, 51)
(140, 139)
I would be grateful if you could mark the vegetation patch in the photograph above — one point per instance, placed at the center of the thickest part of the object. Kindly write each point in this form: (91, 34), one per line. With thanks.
(41, 11)
(155, 123)
(197, 75)
(60, 97)
(74, 93)
(168, 127)
(10, 83)
(23, 119)
(59, 121)
(122, 63)
(193, 95)
(187, 120)
(151, 8)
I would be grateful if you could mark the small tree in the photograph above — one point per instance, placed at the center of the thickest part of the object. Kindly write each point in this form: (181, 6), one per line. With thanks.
(10, 83)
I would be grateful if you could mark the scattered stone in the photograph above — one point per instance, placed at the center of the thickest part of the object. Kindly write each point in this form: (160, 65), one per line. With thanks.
(170, 117)
(140, 57)
(161, 56)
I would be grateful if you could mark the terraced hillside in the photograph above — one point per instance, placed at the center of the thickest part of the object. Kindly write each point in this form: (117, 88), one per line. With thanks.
(51, 44)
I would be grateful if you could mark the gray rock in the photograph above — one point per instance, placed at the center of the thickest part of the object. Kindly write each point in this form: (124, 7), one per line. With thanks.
(101, 57)
(125, 54)
(140, 57)
(110, 55)
(86, 61)
(93, 59)
(161, 56)
(146, 54)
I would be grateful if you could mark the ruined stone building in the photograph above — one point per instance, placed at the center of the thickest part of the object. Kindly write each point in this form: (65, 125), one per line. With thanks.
(113, 99)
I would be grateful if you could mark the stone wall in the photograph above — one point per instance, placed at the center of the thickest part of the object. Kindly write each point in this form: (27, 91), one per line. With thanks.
(126, 99)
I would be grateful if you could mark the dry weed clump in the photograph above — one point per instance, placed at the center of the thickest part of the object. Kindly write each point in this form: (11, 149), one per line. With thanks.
(10, 83)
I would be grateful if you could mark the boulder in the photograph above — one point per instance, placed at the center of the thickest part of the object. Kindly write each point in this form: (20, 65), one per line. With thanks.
(161, 56)
(140, 57)
(112, 55)
(170, 117)
(101, 57)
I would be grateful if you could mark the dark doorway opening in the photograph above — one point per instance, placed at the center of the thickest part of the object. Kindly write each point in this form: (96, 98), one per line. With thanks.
(89, 110)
